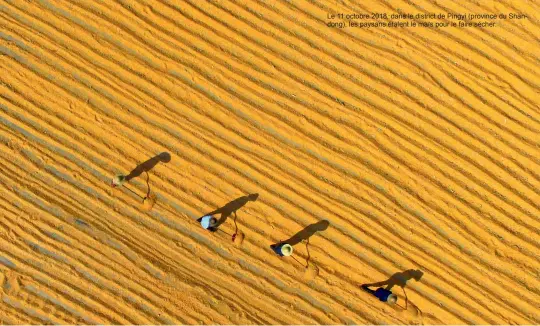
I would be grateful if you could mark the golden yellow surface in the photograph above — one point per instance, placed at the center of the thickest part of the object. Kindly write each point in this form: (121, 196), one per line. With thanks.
(419, 146)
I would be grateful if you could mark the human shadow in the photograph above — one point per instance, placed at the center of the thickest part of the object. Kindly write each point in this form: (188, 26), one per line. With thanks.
(232, 207)
(400, 279)
(148, 165)
(307, 232)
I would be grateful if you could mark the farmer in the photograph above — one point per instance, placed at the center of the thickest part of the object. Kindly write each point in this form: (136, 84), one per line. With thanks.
(208, 222)
(383, 294)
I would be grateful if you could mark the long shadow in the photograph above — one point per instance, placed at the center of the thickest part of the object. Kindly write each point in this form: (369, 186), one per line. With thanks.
(149, 165)
(307, 232)
(232, 207)
(400, 279)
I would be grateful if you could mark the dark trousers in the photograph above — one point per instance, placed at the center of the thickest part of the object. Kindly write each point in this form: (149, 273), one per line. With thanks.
(368, 290)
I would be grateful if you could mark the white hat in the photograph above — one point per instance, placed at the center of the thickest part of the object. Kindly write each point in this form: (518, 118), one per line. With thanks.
(286, 249)
(205, 221)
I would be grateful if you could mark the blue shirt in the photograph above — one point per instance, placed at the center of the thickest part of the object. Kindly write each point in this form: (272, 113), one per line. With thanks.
(382, 294)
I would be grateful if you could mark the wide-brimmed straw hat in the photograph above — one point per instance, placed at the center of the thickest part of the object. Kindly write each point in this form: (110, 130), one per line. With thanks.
(286, 249)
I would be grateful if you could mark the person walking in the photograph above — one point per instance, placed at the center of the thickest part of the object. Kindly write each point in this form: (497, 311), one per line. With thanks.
(382, 294)
(208, 222)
